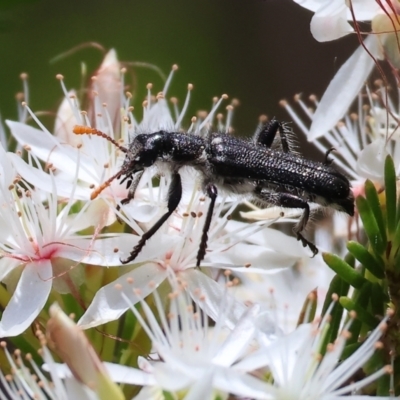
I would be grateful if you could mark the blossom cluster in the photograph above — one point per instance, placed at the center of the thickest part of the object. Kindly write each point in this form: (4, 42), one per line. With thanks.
(260, 318)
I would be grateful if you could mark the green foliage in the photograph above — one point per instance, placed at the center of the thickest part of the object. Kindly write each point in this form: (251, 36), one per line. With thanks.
(375, 277)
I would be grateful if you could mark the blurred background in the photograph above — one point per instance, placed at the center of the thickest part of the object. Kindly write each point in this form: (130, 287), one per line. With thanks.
(258, 51)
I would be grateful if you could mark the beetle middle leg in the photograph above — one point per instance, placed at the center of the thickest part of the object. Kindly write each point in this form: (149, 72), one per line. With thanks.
(289, 200)
(212, 193)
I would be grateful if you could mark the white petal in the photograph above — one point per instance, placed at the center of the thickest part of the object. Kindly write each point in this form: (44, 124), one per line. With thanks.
(103, 252)
(48, 148)
(238, 340)
(170, 379)
(108, 304)
(283, 350)
(210, 296)
(7, 265)
(364, 10)
(65, 121)
(124, 374)
(240, 384)
(203, 388)
(312, 5)
(28, 299)
(343, 88)
(330, 22)
(108, 251)
(141, 211)
(44, 181)
(259, 258)
(60, 370)
(371, 161)
(7, 171)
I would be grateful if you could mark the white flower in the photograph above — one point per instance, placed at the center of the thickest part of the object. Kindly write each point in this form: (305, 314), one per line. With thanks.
(301, 372)
(330, 22)
(362, 139)
(344, 87)
(39, 247)
(331, 17)
(193, 358)
(173, 249)
(25, 384)
(83, 377)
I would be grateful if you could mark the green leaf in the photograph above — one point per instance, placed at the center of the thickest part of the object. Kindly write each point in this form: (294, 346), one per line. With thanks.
(396, 242)
(384, 386)
(366, 259)
(344, 270)
(349, 258)
(379, 299)
(349, 350)
(374, 203)
(362, 314)
(370, 225)
(340, 288)
(391, 196)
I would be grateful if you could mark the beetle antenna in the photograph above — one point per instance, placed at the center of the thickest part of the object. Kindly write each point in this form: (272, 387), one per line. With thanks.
(105, 184)
(87, 130)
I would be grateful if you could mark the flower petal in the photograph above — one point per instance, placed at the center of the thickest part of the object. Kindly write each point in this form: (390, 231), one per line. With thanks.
(129, 375)
(7, 265)
(238, 340)
(28, 299)
(212, 298)
(41, 180)
(243, 385)
(49, 149)
(371, 161)
(210, 295)
(108, 304)
(330, 22)
(343, 88)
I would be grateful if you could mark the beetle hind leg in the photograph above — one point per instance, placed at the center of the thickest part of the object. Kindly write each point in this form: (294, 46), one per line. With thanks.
(288, 200)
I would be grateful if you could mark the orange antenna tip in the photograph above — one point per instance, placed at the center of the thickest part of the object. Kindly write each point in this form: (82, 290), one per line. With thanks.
(82, 130)
(87, 130)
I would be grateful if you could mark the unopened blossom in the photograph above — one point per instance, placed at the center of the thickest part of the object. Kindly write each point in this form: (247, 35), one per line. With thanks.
(73, 347)
(82, 377)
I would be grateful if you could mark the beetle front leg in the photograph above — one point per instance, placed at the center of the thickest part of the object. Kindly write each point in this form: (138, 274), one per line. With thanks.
(133, 184)
(174, 197)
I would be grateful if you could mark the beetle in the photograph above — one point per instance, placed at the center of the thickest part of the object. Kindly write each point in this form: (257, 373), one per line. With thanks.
(256, 168)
